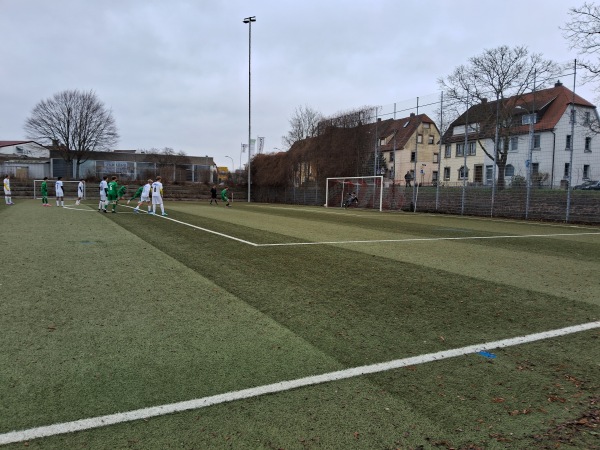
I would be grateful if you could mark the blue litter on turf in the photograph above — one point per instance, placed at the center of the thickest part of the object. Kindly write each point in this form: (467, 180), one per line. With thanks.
(487, 354)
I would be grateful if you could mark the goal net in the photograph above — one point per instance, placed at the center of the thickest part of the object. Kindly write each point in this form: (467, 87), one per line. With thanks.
(368, 192)
(69, 188)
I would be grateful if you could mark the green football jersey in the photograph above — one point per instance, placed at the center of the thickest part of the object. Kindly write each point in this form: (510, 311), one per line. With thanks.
(112, 190)
(138, 193)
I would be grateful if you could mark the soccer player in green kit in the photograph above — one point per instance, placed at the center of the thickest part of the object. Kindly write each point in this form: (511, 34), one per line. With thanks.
(44, 189)
(224, 196)
(121, 192)
(112, 195)
(137, 194)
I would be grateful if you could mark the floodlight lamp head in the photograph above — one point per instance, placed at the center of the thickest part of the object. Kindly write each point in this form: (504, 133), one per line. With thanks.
(250, 19)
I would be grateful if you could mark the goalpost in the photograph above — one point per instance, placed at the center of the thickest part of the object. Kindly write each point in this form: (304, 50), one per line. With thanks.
(369, 191)
(69, 188)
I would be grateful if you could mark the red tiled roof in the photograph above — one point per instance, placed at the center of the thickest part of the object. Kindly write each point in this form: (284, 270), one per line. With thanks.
(9, 143)
(549, 104)
(404, 128)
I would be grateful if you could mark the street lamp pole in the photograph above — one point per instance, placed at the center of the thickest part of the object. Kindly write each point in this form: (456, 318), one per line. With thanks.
(249, 21)
(232, 165)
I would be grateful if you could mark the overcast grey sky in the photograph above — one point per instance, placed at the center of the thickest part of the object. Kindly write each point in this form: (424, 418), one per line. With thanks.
(175, 72)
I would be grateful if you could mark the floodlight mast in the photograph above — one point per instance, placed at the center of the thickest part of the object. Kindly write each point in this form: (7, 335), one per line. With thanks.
(249, 21)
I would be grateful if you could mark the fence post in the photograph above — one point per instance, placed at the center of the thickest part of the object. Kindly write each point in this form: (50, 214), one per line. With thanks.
(570, 186)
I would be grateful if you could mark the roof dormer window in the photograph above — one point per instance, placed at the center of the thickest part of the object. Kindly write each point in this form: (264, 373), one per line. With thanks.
(528, 118)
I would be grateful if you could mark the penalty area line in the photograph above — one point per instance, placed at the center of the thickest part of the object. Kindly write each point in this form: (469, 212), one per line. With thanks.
(155, 411)
(462, 238)
(199, 228)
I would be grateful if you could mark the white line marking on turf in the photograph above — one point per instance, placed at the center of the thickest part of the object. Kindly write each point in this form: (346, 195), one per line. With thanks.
(76, 209)
(463, 238)
(155, 411)
(374, 241)
(200, 228)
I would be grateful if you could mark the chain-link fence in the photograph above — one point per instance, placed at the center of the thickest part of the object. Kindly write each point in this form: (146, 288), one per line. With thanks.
(535, 155)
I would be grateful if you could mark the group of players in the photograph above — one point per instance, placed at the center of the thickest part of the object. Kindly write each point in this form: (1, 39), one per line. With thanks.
(111, 193)
(150, 194)
(58, 186)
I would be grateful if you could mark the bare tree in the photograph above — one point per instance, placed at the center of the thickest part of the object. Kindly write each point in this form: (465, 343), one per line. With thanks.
(504, 74)
(304, 124)
(351, 118)
(76, 123)
(582, 32)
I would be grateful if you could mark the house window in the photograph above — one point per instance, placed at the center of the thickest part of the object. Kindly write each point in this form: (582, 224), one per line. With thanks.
(471, 149)
(430, 139)
(514, 144)
(568, 142)
(567, 170)
(537, 141)
(509, 170)
(436, 157)
(463, 173)
(413, 156)
(434, 177)
(489, 174)
(446, 173)
(586, 171)
(535, 168)
(426, 125)
(448, 153)
(391, 157)
(460, 149)
(586, 120)
(588, 144)
(419, 138)
(572, 115)
(460, 129)
(528, 118)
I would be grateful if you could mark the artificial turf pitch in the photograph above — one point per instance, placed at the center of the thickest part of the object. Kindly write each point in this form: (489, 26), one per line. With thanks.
(108, 313)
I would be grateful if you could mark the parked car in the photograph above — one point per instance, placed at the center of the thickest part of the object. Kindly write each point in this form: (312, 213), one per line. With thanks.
(588, 186)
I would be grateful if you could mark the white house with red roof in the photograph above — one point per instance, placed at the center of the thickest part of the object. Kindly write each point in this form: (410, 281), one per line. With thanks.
(539, 137)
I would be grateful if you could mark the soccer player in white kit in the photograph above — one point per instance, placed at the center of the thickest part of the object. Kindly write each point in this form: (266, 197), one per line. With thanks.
(103, 189)
(7, 193)
(144, 197)
(60, 194)
(157, 191)
(80, 191)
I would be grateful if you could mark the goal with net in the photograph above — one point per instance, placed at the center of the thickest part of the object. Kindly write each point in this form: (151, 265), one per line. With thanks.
(69, 188)
(368, 191)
